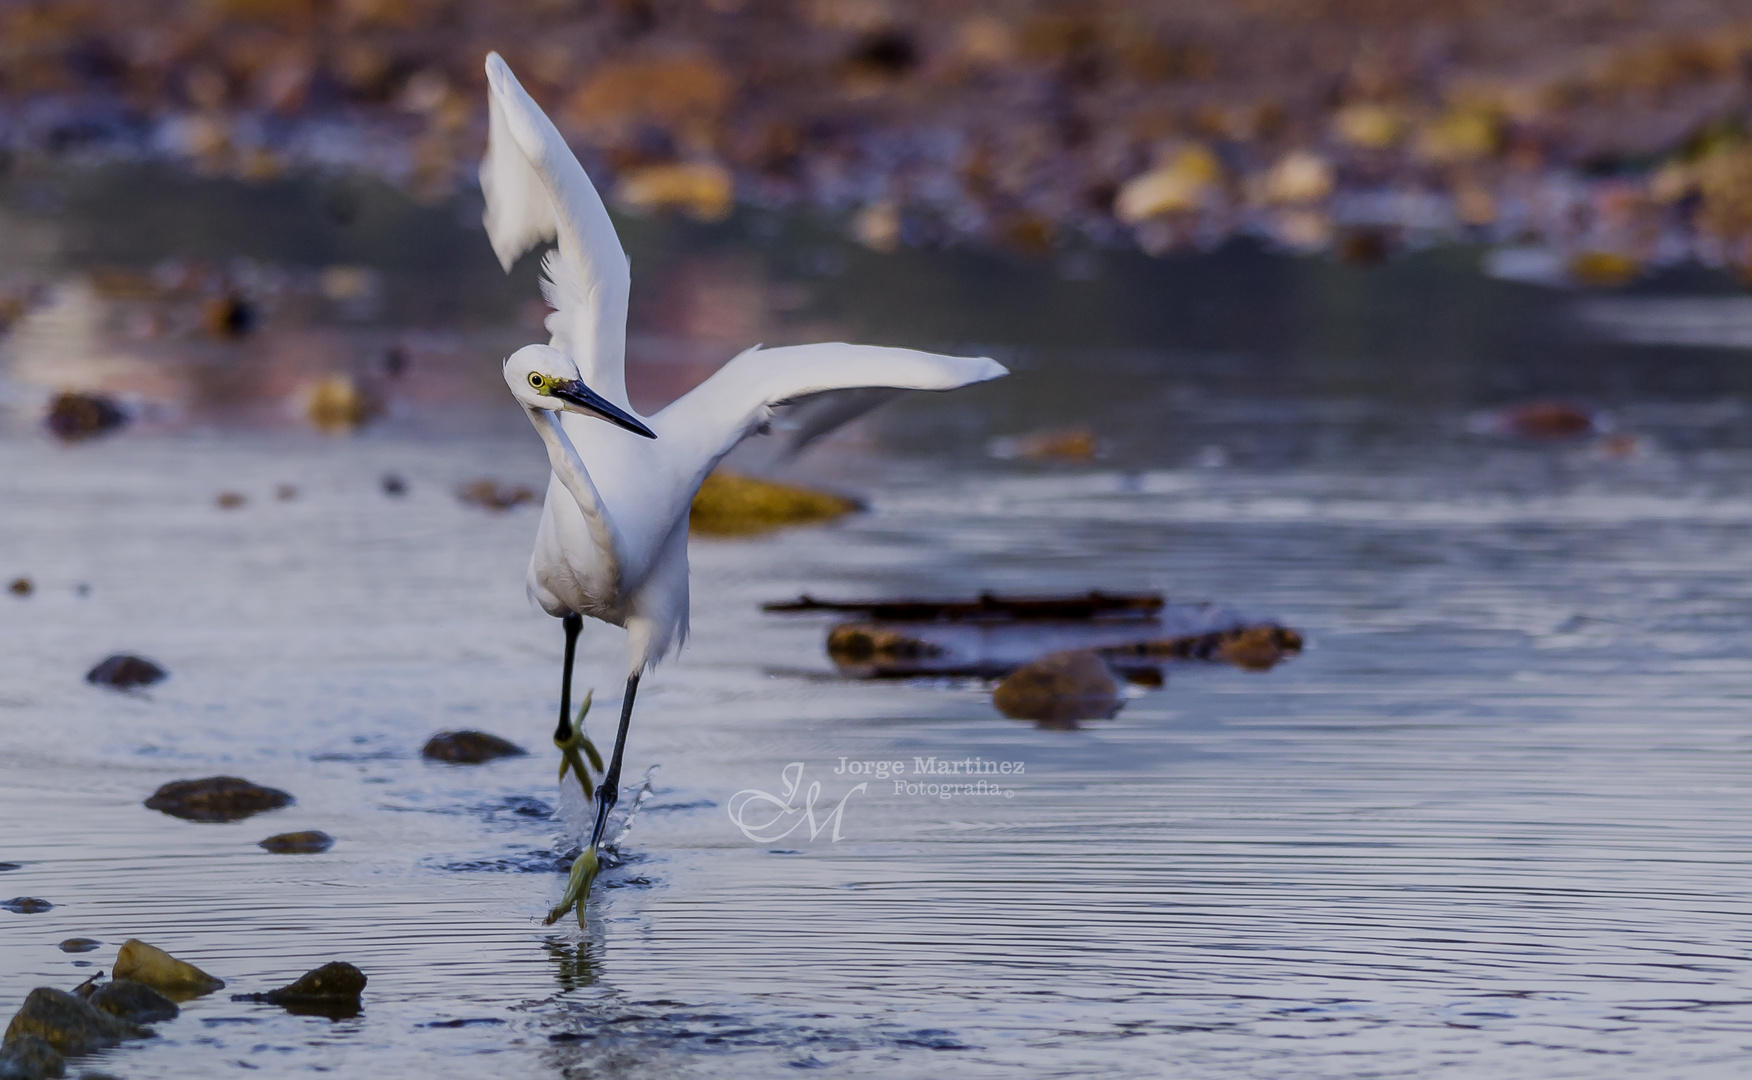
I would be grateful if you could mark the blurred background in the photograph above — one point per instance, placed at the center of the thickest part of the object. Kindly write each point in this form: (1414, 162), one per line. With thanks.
(1415, 333)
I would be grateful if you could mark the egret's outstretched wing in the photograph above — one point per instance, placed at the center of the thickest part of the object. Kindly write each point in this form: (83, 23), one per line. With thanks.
(803, 420)
(706, 423)
(536, 191)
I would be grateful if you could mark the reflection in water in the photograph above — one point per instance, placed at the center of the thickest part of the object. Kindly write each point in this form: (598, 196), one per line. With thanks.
(1488, 823)
(574, 964)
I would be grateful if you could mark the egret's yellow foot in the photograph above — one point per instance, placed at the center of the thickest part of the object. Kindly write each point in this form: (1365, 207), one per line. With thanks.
(584, 871)
(570, 746)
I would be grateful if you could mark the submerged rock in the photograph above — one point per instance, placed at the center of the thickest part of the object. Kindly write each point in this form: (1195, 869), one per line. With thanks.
(80, 944)
(1064, 444)
(216, 798)
(340, 403)
(30, 1057)
(26, 905)
(308, 842)
(230, 500)
(731, 505)
(163, 972)
(69, 1023)
(493, 495)
(21, 586)
(331, 990)
(1546, 420)
(1060, 688)
(124, 672)
(468, 747)
(862, 643)
(73, 416)
(133, 1001)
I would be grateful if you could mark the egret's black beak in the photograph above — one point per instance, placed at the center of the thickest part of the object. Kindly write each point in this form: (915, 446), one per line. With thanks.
(574, 392)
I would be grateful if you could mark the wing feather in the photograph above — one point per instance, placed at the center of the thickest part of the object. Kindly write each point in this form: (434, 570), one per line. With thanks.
(698, 429)
(536, 190)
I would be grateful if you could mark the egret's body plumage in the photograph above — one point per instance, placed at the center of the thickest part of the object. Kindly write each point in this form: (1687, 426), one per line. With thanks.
(612, 544)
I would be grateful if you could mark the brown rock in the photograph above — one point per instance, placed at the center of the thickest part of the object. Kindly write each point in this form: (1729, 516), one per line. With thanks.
(468, 747)
(69, 1023)
(1059, 688)
(331, 990)
(26, 905)
(1545, 420)
(704, 191)
(858, 643)
(228, 317)
(74, 416)
(80, 944)
(298, 843)
(30, 1057)
(133, 1001)
(731, 505)
(124, 672)
(1604, 269)
(163, 972)
(216, 798)
(340, 403)
(495, 496)
(21, 586)
(1259, 648)
(229, 500)
(1064, 444)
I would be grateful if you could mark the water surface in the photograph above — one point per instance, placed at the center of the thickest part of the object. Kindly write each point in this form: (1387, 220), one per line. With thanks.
(1490, 822)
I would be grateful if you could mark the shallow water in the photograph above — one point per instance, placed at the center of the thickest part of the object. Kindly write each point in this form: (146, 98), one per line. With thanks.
(1490, 822)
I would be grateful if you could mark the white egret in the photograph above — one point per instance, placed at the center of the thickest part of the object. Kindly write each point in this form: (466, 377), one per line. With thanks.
(613, 537)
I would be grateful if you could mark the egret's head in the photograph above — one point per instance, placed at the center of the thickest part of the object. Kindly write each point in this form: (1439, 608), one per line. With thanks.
(543, 377)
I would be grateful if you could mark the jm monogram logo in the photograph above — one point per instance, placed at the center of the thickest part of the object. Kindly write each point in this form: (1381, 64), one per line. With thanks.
(766, 817)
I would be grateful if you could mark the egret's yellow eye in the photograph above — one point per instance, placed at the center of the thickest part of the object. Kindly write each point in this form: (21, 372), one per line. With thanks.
(535, 380)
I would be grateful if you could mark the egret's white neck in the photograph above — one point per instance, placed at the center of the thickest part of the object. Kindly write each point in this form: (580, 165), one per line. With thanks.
(569, 467)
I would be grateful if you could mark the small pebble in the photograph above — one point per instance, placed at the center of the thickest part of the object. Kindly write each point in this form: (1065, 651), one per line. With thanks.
(285, 492)
(310, 842)
(216, 798)
(229, 500)
(492, 495)
(394, 486)
(80, 944)
(74, 416)
(26, 905)
(21, 586)
(124, 672)
(468, 747)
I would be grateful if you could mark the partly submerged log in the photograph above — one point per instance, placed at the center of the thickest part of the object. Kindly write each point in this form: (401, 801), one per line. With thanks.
(1091, 605)
(991, 637)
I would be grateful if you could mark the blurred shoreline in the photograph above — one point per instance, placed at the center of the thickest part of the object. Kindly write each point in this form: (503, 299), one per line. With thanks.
(1610, 137)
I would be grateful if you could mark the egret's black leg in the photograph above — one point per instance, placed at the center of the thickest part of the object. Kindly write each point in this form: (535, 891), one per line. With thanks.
(573, 623)
(609, 790)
